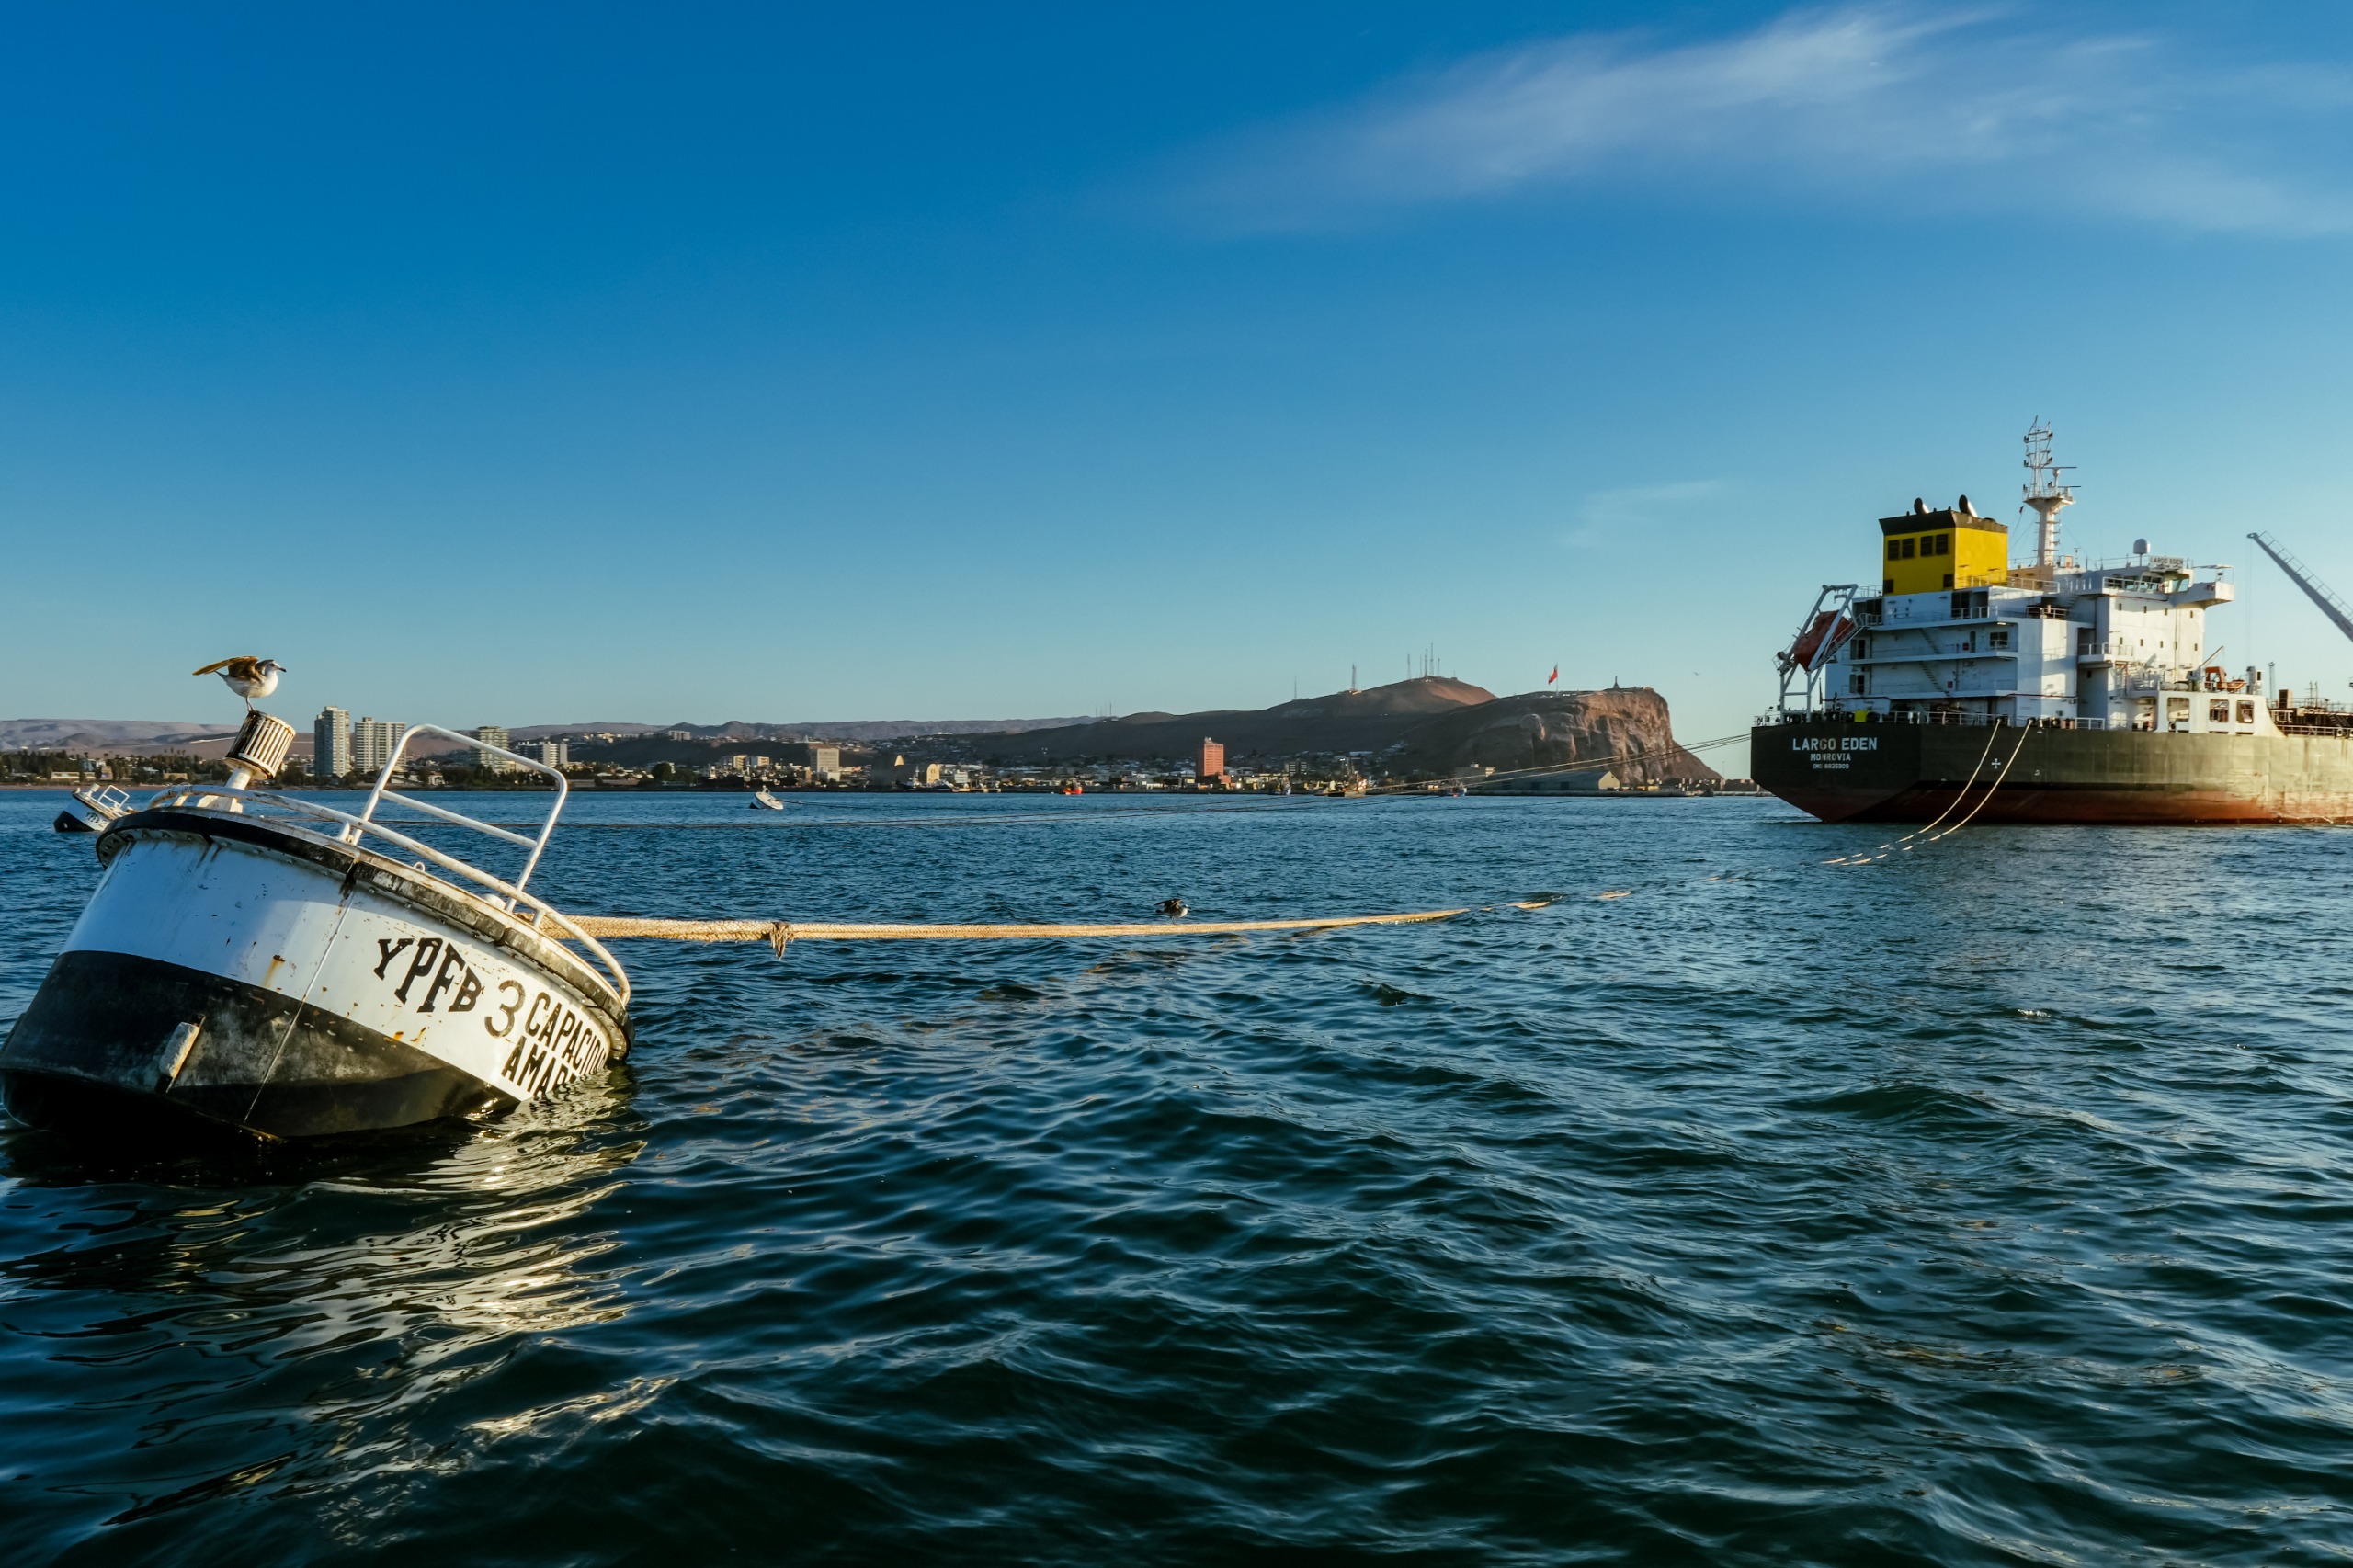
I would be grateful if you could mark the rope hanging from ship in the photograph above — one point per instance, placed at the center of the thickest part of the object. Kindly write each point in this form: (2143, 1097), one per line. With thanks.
(1983, 802)
(1905, 844)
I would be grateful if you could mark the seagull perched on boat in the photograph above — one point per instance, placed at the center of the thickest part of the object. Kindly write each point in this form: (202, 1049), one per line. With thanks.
(1174, 908)
(247, 677)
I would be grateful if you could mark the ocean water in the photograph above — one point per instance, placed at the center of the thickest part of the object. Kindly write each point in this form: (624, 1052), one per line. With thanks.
(1989, 1204)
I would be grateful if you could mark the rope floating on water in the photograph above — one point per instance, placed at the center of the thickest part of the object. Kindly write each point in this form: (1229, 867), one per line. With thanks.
(779, 934)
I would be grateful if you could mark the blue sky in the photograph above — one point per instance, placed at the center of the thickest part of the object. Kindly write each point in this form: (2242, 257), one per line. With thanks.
(534, 364)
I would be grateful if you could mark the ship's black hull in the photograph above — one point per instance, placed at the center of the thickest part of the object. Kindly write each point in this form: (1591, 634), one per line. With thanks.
(1843, 771)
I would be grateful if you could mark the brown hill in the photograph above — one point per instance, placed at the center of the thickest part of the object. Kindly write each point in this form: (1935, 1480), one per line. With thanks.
(1552, 729)
(1372, 720)
(849, 730)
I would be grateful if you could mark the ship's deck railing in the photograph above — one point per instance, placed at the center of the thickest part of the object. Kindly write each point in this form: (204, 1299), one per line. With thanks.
(1869, 716)
(354, 830)
(2158, 572)
(1884, 622)
(1933, 654)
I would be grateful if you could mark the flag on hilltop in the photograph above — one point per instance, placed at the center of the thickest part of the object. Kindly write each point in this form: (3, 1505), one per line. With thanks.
(1553, 677)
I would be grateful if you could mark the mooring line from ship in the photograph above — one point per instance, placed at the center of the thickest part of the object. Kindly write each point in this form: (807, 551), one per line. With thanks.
(1866, 858)
(2017, 751)
(782, 933)
(1887, 849)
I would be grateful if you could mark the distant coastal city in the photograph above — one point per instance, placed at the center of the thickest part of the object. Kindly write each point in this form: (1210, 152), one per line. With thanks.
(1432, 731)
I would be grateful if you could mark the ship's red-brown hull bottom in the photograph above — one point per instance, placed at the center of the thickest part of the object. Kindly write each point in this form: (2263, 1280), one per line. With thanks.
(1842, 771)
(2111, 807)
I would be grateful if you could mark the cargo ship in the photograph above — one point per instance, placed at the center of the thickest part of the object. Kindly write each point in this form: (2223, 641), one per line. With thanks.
(2061, 690)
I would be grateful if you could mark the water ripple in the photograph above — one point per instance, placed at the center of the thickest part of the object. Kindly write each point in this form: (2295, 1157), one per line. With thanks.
(1987, 1206)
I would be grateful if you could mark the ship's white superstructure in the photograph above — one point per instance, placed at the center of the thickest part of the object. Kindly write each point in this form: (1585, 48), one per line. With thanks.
(2126, 647)
(1958, 634)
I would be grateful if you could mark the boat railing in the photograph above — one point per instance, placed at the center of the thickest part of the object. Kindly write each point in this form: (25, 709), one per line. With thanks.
(356, 829)
(383, 793)
(104, 797)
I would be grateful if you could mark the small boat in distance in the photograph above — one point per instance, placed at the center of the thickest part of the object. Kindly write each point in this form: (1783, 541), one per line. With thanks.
(764, 801)
(91, 808)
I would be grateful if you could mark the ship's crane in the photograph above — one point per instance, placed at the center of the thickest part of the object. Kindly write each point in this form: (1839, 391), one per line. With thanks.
(2336, 609)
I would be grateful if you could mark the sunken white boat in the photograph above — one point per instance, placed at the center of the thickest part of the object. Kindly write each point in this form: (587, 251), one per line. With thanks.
(266, 964)
(91, 808)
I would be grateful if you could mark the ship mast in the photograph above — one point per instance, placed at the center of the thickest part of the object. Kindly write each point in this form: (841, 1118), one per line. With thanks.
(2045, 495)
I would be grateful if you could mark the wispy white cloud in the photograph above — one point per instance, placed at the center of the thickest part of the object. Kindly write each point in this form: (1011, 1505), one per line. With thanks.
(1633, 513)
(1932, 110)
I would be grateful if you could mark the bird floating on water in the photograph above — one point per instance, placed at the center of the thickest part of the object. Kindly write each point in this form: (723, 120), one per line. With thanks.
(247, 677)
(1174, 908)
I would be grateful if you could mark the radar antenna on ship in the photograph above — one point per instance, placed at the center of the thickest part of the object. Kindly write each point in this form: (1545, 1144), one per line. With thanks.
(2046, 493)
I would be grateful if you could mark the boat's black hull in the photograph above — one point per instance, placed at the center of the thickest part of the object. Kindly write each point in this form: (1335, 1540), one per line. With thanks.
(1843, 771)
(241, 974)
(100, 1045)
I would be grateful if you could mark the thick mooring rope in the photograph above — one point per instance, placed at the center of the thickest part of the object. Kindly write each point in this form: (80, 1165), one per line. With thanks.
(1983, 802)
(779, 934)
(1867, 857)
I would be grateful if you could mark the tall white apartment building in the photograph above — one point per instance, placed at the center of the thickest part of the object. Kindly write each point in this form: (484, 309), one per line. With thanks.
(331, 744)
(493, 736)
(555, 754)
(372, 740)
